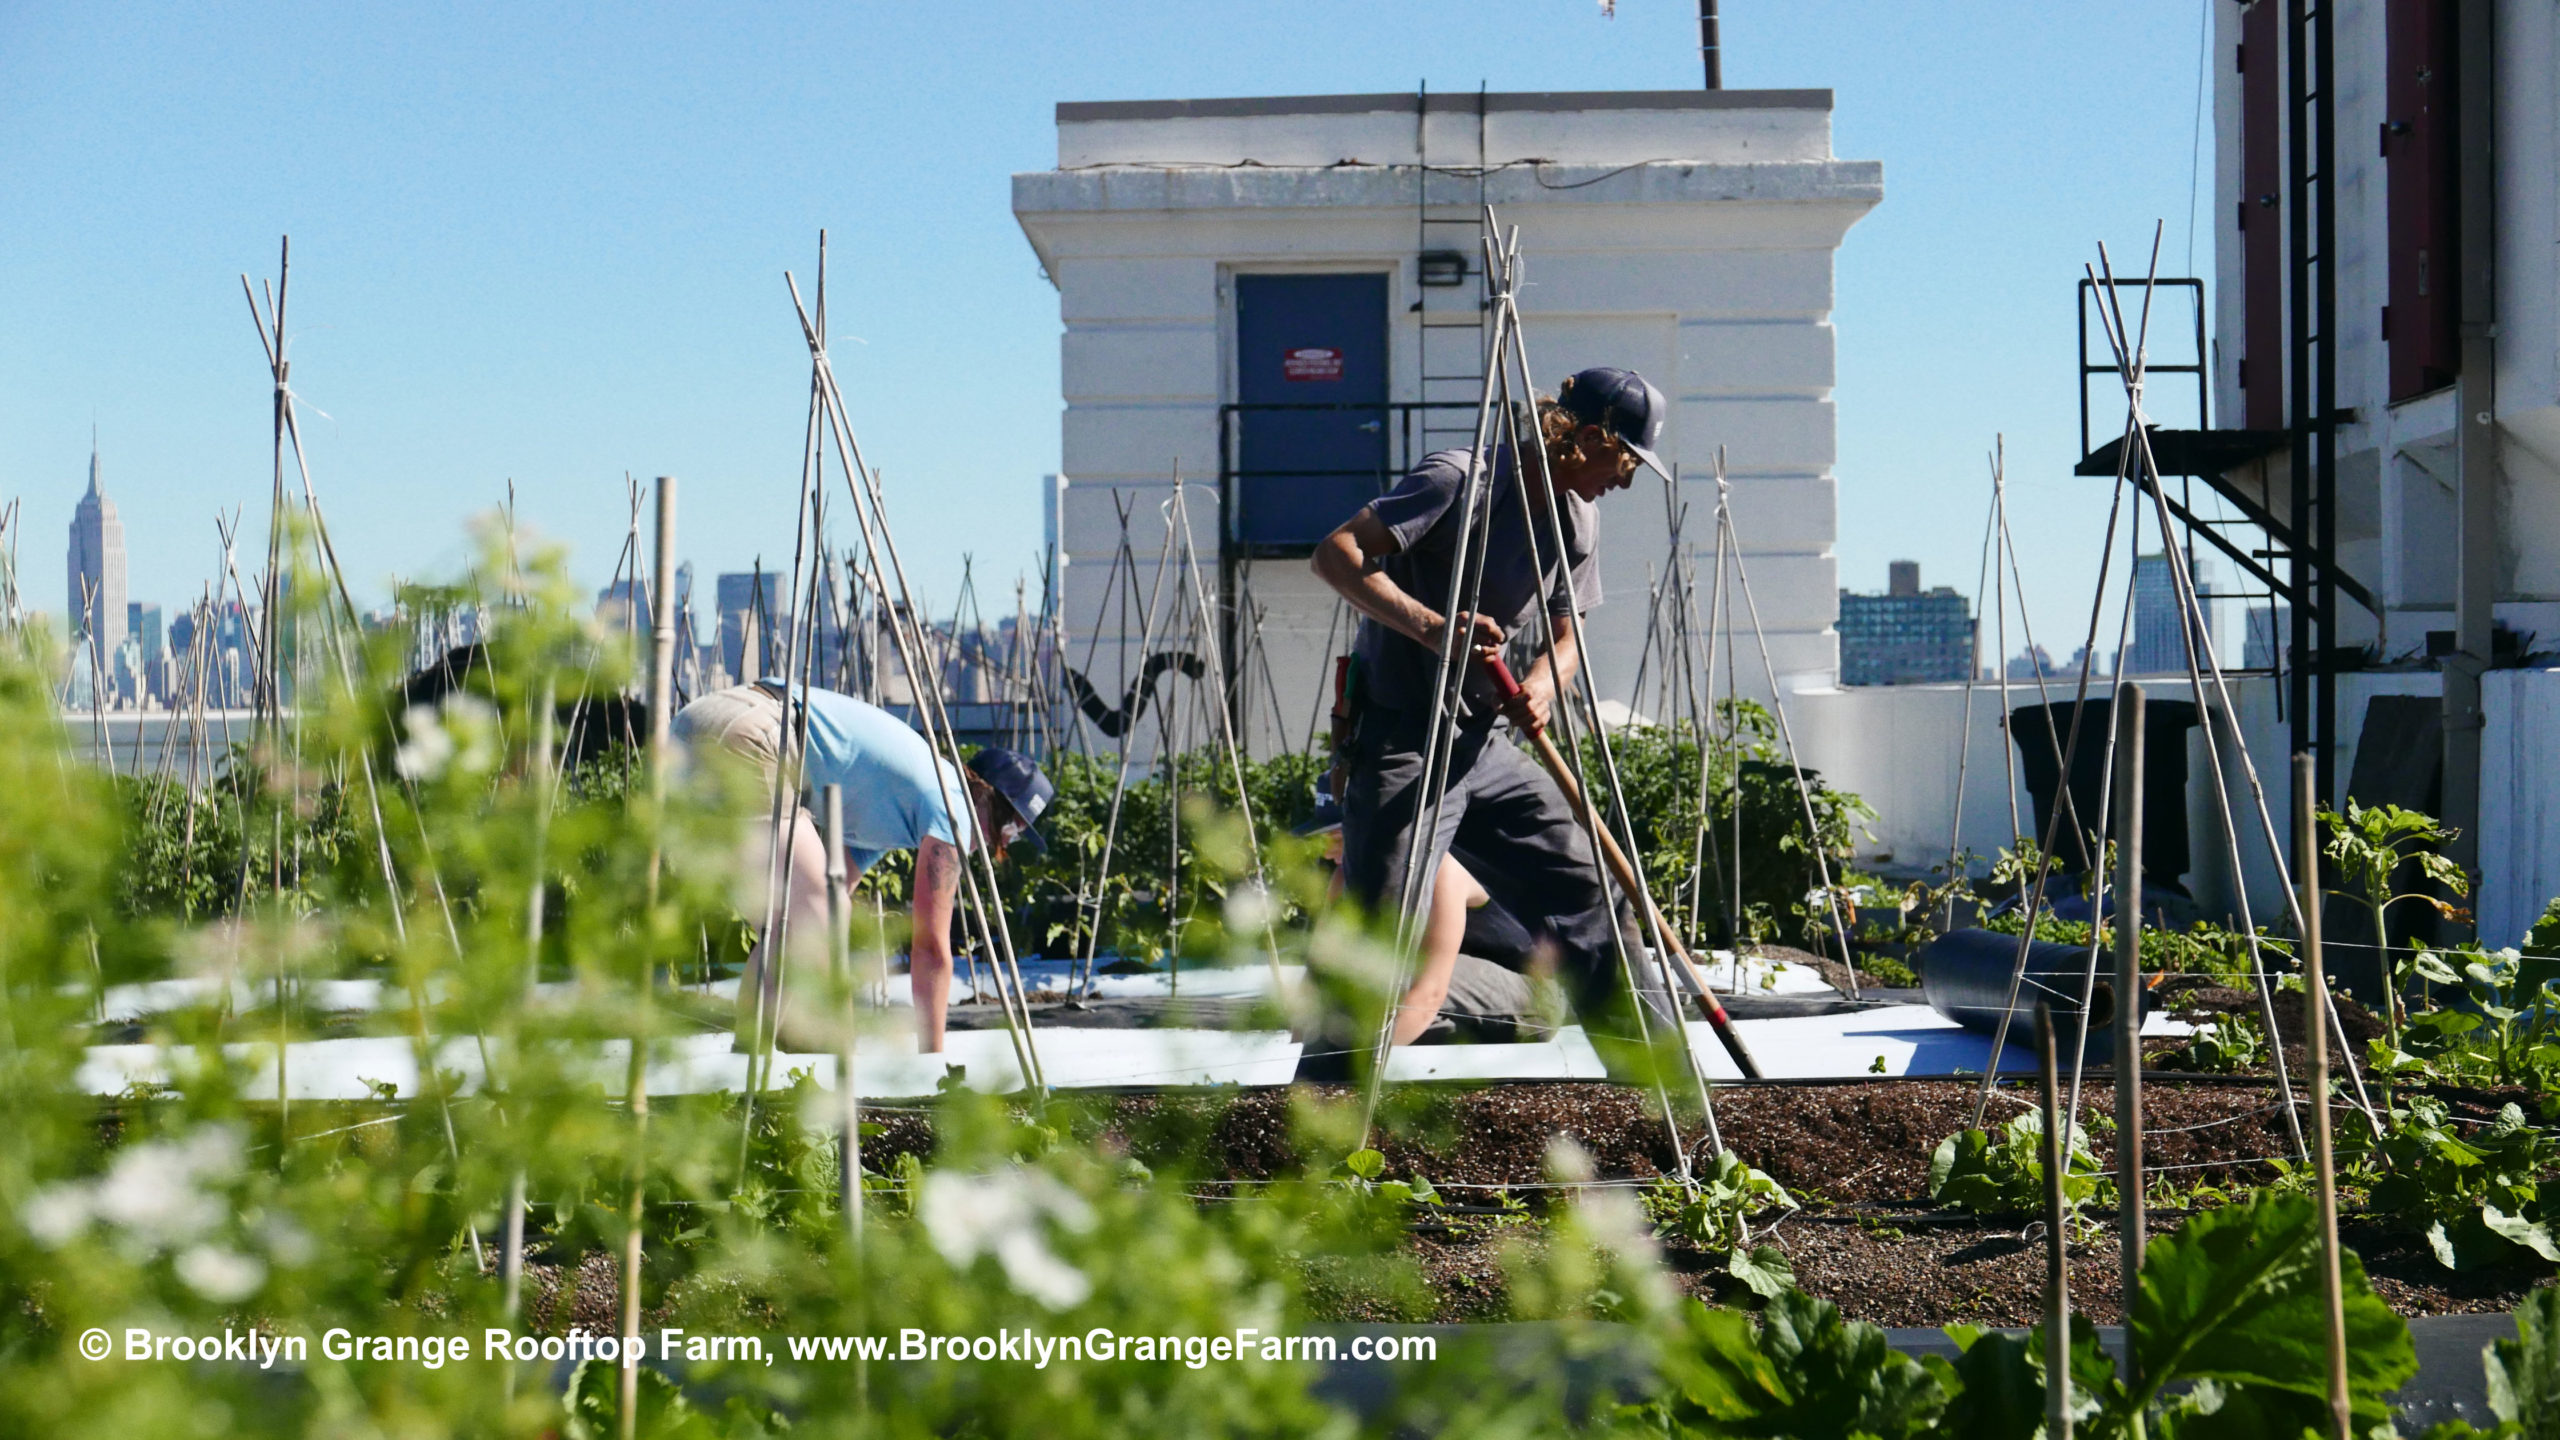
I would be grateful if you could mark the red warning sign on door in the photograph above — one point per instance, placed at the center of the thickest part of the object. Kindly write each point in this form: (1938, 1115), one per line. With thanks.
(1311, 362)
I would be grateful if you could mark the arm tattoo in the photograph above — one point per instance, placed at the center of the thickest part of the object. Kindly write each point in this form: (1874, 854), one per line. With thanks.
(941, 864)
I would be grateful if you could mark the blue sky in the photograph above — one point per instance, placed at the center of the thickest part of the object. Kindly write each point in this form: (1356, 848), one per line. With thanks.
(546, 244)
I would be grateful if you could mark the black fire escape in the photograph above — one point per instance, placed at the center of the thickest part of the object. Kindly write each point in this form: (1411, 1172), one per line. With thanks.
(2298, 565)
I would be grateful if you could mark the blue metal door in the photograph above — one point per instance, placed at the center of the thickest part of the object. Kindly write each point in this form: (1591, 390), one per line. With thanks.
(1311, 422)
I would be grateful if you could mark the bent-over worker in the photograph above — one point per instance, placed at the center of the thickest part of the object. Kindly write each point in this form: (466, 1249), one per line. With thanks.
(1392, 562)
(897, 795)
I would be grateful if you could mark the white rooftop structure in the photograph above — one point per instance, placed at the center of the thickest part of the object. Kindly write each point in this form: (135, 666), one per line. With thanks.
(1215, 256)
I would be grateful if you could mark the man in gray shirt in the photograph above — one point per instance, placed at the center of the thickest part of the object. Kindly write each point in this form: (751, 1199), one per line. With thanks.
(1392, 562)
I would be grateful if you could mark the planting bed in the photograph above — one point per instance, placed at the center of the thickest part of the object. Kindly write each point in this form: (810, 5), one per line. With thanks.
(1855, 1155)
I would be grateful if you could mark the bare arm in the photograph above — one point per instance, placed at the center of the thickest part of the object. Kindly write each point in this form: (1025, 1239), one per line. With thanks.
(936, 891)
(1349, 560)
(1548, 678)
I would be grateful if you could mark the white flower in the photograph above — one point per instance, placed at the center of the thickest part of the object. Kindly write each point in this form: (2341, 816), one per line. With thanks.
(1000, 1214)
(221, 1275)
(288, 1242)
(473, 724)
(152, 1191)
(1568, 1161)
(1249, 908)
(423, 755)
(57, 1214)
(1615, 1221)
(462, 732)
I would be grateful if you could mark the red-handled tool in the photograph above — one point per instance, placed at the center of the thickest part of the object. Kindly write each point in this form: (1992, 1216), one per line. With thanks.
(1508, 688)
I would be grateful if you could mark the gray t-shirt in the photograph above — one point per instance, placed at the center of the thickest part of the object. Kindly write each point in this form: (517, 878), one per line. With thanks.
(1423, 513)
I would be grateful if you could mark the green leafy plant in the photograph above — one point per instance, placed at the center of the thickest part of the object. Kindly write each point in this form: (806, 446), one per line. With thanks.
(2230, 1044)
(2228, 1333)
(1663, 770)
(2002, 1172)
(1804, 1373)
(1365, 1171)
(1714, 1215)
(2234, 1298)
(2203, 948)
(2506, 1033)
(2476, 1198)
(2524, 1373)
(2370, 846)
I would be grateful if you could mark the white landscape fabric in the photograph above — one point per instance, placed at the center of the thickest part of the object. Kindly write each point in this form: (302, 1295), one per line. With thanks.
(1911, 1040)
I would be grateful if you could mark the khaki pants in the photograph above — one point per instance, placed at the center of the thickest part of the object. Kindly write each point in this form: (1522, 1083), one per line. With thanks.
(746, 721)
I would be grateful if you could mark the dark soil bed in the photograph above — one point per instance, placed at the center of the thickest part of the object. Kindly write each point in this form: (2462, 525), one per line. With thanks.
(1856, 1155)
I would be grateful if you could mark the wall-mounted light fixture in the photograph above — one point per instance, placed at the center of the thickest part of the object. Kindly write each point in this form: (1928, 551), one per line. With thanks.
(1441, 268)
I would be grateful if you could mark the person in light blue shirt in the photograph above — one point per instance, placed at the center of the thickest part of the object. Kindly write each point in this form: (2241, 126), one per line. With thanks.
(897, 795)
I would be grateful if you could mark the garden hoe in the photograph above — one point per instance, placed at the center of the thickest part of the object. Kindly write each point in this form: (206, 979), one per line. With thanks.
(1508, 689)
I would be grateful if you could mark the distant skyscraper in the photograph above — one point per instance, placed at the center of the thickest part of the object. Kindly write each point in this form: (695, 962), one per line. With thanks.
(734, 594)
(752, 650)
(2031, 663)
(2270, 634)
(2159, 645)
(96, 571)
(1905, 636)
(151, 650)
(2160, 624)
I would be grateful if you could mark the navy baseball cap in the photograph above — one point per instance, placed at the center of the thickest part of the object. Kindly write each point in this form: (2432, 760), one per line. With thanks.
(1624, 404)
(1011, 774)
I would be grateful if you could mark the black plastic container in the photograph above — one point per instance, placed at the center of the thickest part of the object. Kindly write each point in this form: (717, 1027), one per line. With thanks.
(1964, 975)
(2043, 732)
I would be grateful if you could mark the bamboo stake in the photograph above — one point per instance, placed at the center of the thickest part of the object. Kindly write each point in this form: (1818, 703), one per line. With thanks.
(662, 658)
(871, 517)
(1207, 622)
(2057, 1270)
(2315, 994)
(2128, 997)
(511, 1262)
(1535, 488)
(849, 1177)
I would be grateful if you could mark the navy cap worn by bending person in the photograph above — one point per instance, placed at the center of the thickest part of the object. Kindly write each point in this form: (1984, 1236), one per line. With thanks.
(1011, 774)
(1624, 404)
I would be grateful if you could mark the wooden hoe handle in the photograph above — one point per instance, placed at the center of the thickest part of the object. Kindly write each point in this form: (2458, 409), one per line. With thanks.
(1507, 687)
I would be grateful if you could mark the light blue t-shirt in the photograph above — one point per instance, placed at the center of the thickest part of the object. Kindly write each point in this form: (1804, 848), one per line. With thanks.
(892, 799)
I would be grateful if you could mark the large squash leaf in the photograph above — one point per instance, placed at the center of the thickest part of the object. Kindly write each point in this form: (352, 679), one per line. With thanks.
(2524, 1373)
(2235, 1296)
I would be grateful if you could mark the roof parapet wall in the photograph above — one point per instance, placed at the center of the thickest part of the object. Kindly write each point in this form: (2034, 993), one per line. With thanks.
(1630, 127)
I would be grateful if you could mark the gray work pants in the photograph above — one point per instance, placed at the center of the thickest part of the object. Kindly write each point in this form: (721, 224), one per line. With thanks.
(1522, 842)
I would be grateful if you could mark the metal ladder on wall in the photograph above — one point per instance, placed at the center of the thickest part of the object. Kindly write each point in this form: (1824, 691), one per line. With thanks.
(1449, 201)
(2311, 317)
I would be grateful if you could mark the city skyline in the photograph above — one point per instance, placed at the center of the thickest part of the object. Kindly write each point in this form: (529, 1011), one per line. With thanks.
(517, 258)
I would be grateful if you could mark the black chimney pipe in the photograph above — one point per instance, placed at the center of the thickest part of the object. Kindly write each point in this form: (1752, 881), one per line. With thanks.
(1710, 45)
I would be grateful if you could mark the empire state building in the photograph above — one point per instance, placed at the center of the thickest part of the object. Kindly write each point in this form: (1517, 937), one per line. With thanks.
(97, 582)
